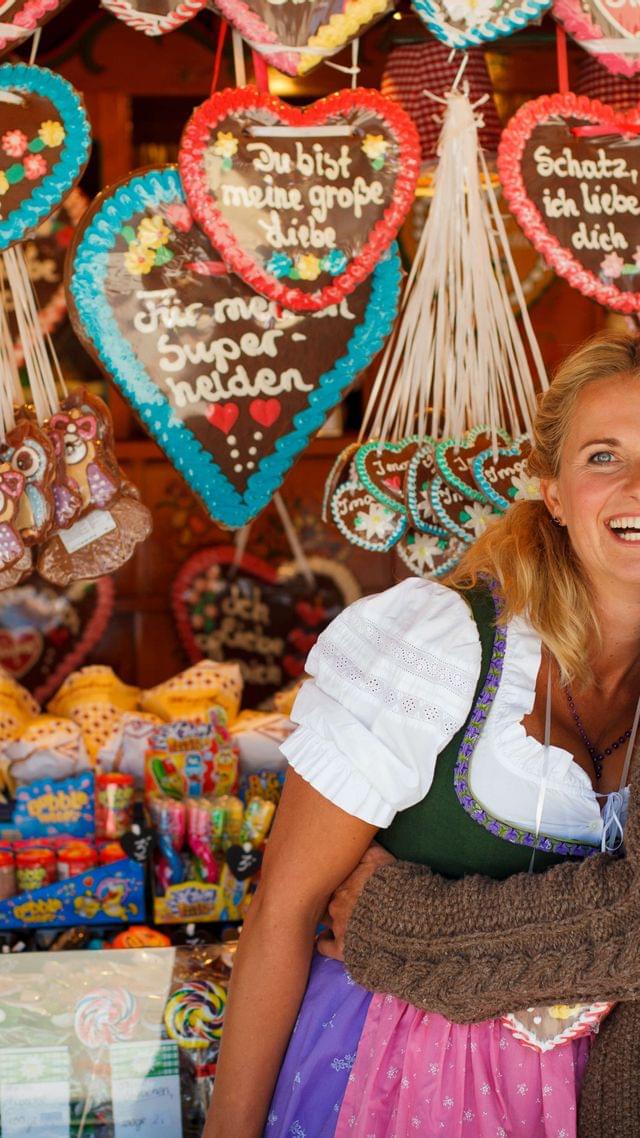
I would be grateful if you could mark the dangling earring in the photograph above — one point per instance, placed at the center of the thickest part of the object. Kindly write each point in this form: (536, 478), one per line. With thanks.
(556, 520)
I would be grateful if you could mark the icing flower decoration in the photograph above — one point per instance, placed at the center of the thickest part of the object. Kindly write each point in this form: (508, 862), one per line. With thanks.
(375, 147)
(52, 133)
(225, 147)
(279, 265)
(308, 267)
(4, 182)
(376, 522)
(139, 259)
(14, 143)
(179, 216)
(524, 487)
(469, 12)
(612, 265)
(35, 166)
(564, 1011)
(476, 516)
(334, 262)
(152, 232)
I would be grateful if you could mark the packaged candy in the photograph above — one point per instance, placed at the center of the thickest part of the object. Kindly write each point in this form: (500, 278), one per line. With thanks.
(140, 936)
(95, 698)
(35, 867)
(169, 819)
(48, 747)
(193, 693)
(7, 874)
(188, 759)
(256, 824)
(75, 857)
(234, 815)
(126, 746)
(110, 851)
(114, 804)
(56, 807)
(199, 838)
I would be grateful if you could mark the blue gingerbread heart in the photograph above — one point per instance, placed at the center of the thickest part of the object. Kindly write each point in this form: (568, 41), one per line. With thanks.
(231, 386)
(45, 141)
(469, 23)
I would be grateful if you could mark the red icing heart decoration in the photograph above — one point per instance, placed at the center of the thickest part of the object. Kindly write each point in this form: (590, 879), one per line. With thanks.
(223, 416)
(267, 619)
(21, 19)
(300, 203)
(592, 21)
(46, 632)
(265, 411)
(154, 17)
(570, 170)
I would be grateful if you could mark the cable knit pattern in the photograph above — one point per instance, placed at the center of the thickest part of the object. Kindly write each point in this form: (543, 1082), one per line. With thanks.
(476, 948)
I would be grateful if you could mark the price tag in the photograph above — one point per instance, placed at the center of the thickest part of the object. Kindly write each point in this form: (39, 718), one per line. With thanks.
(145, 1090)
(91, 527)
(35, 1092)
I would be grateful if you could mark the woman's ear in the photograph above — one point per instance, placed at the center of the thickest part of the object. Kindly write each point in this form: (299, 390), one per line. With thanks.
(551, 498)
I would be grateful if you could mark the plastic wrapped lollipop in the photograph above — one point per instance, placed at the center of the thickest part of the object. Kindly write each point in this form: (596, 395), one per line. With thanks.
(194, 1014)
(169, 819)
(199, 838)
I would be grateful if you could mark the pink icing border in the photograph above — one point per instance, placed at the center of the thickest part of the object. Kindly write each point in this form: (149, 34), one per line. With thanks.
(92, 634)
(144, 22)
(574, 19)
(34, 13)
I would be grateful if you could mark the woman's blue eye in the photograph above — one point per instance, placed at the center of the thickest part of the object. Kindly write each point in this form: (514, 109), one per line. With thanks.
(601, 458)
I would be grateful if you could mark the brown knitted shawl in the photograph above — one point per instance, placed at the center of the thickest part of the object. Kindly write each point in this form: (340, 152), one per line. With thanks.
(477, 948)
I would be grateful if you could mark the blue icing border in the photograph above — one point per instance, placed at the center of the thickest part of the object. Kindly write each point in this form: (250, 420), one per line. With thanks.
(432, 12)
(195, 464)
(51, 191)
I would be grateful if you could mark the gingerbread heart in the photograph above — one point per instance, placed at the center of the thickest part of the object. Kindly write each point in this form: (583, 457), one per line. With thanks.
(154, 17)
(569, 168)
(421, 471)
(590, 22)
(231, 387)
(427, 555)
(46, 633)
(381, 468)
(300, 203)
(364, 521)
(20, 19)
(267, 619)
(462, 23)
(545, 1028)
(455, 456)
(296, 37)
(343, 470)
(44, 147)
(45, 254)
(464, 517)
(503, 478)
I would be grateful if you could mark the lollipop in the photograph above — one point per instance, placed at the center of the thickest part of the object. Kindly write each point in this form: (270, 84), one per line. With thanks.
(193, 1015)
(104, 1016)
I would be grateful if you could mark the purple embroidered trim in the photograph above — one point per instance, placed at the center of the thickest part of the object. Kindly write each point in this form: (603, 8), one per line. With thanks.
(467, 747)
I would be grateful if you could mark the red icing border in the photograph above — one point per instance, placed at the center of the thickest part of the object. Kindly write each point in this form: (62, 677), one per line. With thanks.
(92, 634)
(511, 149)
(154, 25)
(34, 14)
(197, 134)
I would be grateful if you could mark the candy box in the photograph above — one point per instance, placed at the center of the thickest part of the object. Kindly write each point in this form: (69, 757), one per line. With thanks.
(189, 759)
(48, 807)
(111, 894)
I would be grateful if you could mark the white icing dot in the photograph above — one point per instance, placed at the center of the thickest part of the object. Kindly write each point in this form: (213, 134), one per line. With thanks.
(235, 453)
(537, 1019)
(238, 467)
(253, 450)
(231, 440)
(257, 435)
(250, 465)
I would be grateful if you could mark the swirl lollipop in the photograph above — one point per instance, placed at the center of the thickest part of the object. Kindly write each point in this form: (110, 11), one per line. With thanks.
(194, 1013)
(104, 1016)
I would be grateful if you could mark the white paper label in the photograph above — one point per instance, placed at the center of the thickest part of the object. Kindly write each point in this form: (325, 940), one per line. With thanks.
(88, 529)
(145, 1090)
(34, 1092)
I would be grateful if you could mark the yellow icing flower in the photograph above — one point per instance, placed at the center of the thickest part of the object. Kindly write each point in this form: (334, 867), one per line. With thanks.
(4, 182)
(139, 259)
(152, 232)
(225, 145)
(563, 1011)
(308, 267)
(52, 133)
(375, 146)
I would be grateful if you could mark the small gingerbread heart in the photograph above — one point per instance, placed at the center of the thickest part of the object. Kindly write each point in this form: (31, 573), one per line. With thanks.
(454, 458)
(381, 468)
(364, 521)
(154, 17)
(465, 518)
(421, 471)
(502, 478)
(427, 555)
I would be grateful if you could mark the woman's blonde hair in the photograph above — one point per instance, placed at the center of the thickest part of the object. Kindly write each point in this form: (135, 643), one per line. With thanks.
(525, 551)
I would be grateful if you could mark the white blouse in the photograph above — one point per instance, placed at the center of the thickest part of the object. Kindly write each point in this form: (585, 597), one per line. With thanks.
(393, 680)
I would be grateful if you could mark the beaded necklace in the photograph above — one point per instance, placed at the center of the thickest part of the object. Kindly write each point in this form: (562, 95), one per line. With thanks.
(597, 757)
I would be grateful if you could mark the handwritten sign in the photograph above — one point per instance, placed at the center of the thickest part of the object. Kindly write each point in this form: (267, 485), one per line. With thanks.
(35, 1092)
(572, 178)
(230, 385)
(266, 620)
(300, 204)
(145, 1090)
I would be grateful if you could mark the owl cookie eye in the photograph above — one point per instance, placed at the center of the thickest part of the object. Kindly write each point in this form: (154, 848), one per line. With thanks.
(26, 461)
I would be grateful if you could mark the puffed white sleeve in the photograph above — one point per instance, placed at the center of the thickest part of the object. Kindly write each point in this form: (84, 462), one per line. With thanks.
(393, 679)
